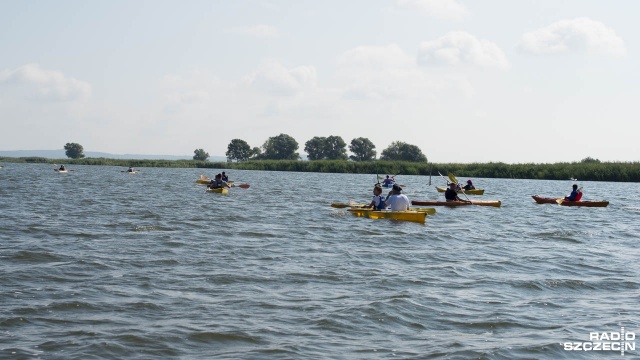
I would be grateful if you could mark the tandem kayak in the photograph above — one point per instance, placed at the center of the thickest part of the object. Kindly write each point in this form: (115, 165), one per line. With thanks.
(468, 192)
(409, 215)
(585, 203)
(495, 203)
(218, 191)
(352, 205)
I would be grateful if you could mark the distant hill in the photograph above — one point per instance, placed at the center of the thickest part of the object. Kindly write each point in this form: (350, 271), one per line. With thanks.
(60, 154)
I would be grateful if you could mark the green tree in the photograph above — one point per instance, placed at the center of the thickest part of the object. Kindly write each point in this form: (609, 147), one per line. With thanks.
(362, 149)
(256, 152)
(315, 148)
(589, 159)
(400, 151)
(200, 154)
(335, 148)
(238, 150)
(73, 150)
(281, 147)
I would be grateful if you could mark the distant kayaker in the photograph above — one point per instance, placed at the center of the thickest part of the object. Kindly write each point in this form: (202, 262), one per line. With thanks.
(218, 183)
(452, 194)
(469, 185)
(130, 169)
(378, 201)
(396, 200)
(62, 168)
(575, 195)
(388, 181)
(224, 177)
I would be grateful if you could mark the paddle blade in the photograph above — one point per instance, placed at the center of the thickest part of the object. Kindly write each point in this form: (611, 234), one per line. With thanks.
(559, 201)
(339, 206)
(429, 211)
(453, 178)
(244, 186)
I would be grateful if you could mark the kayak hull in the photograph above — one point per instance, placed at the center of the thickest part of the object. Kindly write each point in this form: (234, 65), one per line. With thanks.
(428, 211)
(548, 200)
(413, 216)
(218, 191)
(468, 192)
(495, 203)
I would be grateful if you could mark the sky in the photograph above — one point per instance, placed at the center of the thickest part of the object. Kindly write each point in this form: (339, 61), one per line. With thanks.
(466, 81)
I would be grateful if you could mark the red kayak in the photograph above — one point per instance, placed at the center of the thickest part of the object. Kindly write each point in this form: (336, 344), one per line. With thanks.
(548, 200)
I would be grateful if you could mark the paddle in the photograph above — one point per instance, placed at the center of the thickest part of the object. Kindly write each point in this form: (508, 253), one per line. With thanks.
(455, 181)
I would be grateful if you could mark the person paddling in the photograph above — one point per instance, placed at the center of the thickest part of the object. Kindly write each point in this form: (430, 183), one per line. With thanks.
(396, 200)
(388, 181)
(378, 201)
(218, 183)
(62, 168)
(131, 169)
(452, 194)
(225, 177)
(575, 195)
(469, 185)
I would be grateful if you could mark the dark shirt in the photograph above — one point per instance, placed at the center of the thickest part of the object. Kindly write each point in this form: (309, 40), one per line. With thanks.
(573, 195)
(450, 195)
(469, 187)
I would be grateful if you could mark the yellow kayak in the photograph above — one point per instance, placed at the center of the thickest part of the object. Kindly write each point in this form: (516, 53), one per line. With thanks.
(409, 215)
(352, 205)
(468, 192)
(218, 191)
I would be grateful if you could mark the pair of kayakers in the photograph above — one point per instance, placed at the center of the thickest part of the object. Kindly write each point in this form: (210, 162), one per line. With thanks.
(395, 200)
(218, 183)
(131, 169)
(62, 168)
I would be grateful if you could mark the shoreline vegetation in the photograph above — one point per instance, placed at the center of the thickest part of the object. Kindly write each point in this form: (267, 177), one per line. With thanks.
(583, 171)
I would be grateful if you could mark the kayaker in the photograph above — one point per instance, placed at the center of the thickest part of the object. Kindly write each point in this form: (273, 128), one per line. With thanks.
(452, 194)
(62, 168)
(130, 169)
(575, 195)
(224, 177)
(218, 183)
(396, 200)
(378, 201)
(388, 182)
(469, 185)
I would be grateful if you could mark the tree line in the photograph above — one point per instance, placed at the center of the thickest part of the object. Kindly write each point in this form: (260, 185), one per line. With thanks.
(586, 170)
(284, 147)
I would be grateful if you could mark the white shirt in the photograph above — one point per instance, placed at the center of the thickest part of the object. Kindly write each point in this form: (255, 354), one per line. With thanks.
(398, 202)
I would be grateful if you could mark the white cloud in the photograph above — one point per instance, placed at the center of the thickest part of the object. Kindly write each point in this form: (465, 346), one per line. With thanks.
(34, 82)
(461, 48)
(581, 34)
(441, 9)
(274, 78)
(260, 31)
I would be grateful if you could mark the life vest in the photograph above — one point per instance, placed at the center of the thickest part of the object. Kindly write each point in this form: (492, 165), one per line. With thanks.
(578, 197)
(381, 205)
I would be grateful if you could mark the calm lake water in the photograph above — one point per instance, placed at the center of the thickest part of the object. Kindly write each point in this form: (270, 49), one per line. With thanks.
(97, 263)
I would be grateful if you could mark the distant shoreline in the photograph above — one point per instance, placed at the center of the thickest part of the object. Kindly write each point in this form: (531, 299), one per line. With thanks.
(583, 171)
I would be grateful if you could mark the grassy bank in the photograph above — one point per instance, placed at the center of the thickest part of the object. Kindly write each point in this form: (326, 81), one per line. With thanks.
(595, 171)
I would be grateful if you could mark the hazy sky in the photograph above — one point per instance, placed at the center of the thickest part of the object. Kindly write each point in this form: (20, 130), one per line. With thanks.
(466, 81)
